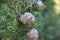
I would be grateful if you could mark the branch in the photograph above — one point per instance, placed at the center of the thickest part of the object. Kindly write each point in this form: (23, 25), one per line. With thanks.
(22, 3)
(13, 7)
(25, 5)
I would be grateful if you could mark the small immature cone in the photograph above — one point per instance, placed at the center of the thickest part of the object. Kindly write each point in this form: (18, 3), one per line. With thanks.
(39, 4)
(32, 34)
(27, 18)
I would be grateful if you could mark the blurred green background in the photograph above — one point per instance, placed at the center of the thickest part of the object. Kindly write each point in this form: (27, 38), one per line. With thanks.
(48, 24)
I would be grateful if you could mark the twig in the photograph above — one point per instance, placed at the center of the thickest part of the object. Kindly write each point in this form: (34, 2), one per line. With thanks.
(13, 7)
(25, 7)
(22, 3)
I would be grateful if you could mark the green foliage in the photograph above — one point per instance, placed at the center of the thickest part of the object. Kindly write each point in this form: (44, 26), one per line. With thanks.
(47, 22)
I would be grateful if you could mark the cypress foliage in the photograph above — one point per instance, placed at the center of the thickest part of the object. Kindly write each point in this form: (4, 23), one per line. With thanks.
(47, 21)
